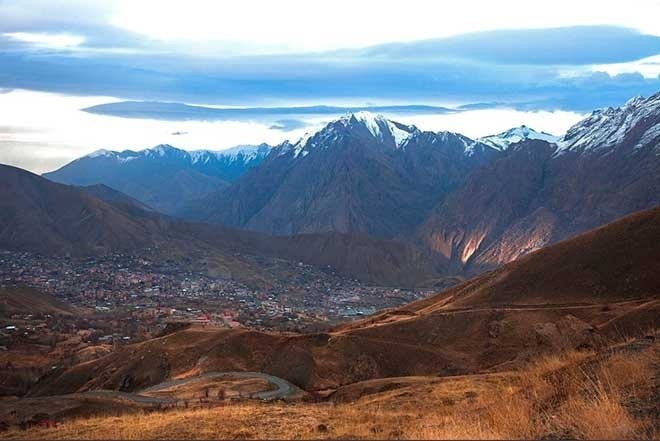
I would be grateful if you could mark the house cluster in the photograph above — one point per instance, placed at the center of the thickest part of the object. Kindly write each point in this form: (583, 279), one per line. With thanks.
(141, 295)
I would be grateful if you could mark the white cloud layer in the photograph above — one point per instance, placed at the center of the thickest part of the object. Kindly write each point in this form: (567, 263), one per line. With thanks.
(42, 131)
(60, 40)
(266, 25)
(321, 25)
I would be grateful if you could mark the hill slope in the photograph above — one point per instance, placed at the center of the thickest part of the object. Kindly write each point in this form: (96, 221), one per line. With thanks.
(38, 215)
(554, 299)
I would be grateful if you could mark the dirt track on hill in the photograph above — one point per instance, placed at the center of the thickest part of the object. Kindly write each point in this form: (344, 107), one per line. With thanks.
(284, 388)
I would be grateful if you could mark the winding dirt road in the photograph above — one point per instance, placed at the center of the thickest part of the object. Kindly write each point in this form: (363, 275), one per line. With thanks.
(284, 388)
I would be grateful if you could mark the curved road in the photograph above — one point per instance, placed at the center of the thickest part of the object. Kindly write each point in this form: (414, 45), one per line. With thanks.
(284, 388)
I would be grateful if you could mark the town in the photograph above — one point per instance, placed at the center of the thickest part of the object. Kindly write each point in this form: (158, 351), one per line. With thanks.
(142, 295)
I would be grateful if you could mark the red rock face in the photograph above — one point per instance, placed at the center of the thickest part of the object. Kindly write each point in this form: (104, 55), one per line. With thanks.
(536, 193)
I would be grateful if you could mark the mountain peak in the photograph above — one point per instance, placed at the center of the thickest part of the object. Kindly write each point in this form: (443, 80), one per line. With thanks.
(356, 124)
(100, 152)
(362, 123)
(611, 126)
(514, 135)
(371, 120)
(164, 150)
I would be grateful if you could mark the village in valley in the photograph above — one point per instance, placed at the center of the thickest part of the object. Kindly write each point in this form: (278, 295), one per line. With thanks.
(141, 297)
(121, 299)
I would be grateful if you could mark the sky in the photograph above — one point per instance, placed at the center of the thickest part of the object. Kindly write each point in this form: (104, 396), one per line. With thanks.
(488, 65)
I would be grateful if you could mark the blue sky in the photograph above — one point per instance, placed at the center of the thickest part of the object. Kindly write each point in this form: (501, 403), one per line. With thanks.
(496, 64)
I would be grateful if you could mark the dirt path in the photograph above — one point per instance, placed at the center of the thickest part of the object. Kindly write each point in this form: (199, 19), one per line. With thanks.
(283, 390)
(446, 309)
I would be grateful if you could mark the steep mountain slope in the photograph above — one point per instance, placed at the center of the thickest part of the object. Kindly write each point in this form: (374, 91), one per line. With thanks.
(41, 216)
(616, 262)
(537, 193)
(117, 198)
(565, 296)
(361, 173)
(162, 177)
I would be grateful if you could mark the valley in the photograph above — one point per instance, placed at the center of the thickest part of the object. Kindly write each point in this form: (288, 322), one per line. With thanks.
(130, 286)
(369, 280)
(532, 333)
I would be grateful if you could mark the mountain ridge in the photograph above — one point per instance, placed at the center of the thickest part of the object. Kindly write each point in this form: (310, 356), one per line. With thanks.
(41, 216)
(538, 193)
(163, 177)
(343, 177)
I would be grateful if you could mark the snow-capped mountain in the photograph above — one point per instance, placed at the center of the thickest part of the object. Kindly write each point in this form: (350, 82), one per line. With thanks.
(360, 173)
(636, 124)
(474, 203)
(366, 125)
(372, 129)
(163, 177)
(503, 140)
(241, 153)
(606, 166)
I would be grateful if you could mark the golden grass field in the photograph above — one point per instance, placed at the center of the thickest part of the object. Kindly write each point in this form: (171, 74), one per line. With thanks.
(583, 395)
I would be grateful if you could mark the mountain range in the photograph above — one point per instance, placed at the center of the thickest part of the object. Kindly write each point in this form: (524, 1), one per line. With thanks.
(41, 216)
(462, 205)
(360, 174)
(473, 204)
(537, 193)
(163, 177)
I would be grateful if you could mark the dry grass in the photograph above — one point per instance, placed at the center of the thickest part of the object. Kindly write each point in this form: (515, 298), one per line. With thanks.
(577, 394)
(599, 415)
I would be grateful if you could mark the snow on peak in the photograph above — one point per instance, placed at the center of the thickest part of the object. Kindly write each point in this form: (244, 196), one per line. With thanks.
(503, 140)
(245, 153)
(359, 123)
(162, 150)
(610, 126)
(371, 121)
(382, 128)
(99, 153)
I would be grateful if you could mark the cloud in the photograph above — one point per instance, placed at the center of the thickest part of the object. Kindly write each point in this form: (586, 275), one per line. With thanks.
(287, 125)
(316, 79)
(648, 67)
(292, 53)
(579, 45)
(46, 40)
(484, 122)
(44, 130)
(169, 111)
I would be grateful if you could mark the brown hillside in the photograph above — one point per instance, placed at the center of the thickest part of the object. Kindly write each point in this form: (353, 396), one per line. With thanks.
(617, 262)
(456, 332)
(38, 215)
